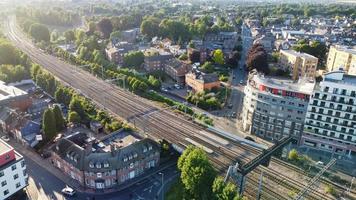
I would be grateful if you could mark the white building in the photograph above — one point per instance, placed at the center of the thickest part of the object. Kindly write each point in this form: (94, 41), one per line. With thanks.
(330, 122)
(275, 107)
(13, 176)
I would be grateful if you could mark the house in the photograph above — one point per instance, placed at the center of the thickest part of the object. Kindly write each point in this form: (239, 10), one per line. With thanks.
(13, 97)
(155, 58)
(108, 163)
(26, 132)
(226, 41)
(266, 42)
(200, 81)
(130, 35)
(116, 50)
(177, 69)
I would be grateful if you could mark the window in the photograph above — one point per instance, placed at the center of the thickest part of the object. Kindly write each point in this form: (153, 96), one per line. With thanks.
(3, 183)
(16, 176)
(18, 185)
(1, 173)
(7, 157)
(22, 163)
(6, 192)
(13, 167)
(99, 175)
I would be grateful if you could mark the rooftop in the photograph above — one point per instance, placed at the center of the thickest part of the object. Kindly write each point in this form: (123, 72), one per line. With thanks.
(4, 147)
(7, 92)
(340, 77)
(346, 49)
(301, 86)
(298, 54)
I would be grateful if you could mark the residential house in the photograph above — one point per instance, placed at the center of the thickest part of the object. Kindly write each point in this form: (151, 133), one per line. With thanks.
(155, 59)
(130, 35)
(116, 51)
(13, 97)
(176, 69)
(200, 81)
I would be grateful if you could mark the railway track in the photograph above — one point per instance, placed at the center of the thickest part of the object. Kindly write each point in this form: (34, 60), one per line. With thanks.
(124, 105)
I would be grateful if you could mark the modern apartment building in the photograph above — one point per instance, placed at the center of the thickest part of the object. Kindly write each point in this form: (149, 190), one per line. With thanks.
(275, 107)
(341, 57)
(13, 176)
(299, 64)
(330, 122)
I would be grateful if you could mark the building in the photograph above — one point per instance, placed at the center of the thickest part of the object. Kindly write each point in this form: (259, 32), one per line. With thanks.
(275, 107)
(155, 59)
(130, 35)
(330, 123)
(299, 64)
(177, 69)
(266, 41)
(13, 97)
(107, 163)
(341, 57)
(116, 51)
(199, 81)
(13, 176)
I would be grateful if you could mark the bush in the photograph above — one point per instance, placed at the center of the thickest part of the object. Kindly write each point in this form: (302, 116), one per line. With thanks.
(293, 155)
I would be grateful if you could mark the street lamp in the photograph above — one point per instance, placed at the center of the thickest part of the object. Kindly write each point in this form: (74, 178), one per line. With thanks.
(162, 175)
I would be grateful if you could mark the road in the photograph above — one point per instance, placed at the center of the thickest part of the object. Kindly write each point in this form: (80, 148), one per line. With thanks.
(147, 116)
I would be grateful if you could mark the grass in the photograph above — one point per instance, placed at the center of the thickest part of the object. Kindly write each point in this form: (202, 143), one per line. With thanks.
(175, 192)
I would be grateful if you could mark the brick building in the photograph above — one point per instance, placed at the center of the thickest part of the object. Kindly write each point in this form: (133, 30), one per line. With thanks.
(177, 69)
(199, 81)
(107, 163)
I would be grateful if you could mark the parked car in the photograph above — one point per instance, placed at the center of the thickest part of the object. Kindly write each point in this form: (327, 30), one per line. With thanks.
(320, 163)
(233, 115)
(164, 89)
(241, 82)
(68, 191)
(5, 138)
(230, 105)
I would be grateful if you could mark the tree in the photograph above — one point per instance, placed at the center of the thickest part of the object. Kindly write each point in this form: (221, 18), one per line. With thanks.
(9, 54)
(154, 82)
(58, 116)
(218, 57)
(224, 191)
(91, 27)
(257, 59)
(194, 56)
(54, 36)
(74, 117)
(293, 155)
(69, 36)
(76, 105)
(150, 27)
(233, 59)
(208, 67)
(49, 124)
(197, 174)
(39, 32)
(104, 26)
(10, 73)
(134, 59)
(115, 34)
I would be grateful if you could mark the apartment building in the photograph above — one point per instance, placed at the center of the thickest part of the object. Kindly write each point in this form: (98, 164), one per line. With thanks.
(299, 64)
(155, 59)
(105, 164)
(13, 176)
(176, 69)
(342, 57)
(275, 107)
(330, 122)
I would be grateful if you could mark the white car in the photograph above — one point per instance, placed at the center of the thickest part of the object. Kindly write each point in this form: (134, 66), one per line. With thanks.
(68, 191)
(5, 138)
(241, 82)
(320, 163)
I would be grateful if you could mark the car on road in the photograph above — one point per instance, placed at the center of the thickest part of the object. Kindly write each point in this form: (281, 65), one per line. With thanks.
(164, 89)
(320, 163)
(233, 115)
(230, 105)
(241, 82)
(68, 191)
(5, 138)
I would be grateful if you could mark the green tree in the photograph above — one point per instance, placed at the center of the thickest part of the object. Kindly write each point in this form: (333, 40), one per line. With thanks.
(134, 59)
(224, 191)
(49, 124)
(69, 35)
(150, 27)
(8, 53)
(197, 174)
(115, 34)
(77, 106)
(208, 67)
(154, 82)
(74, 117)
(218, 57)
(58, 116)
(39, 32)
(104, 26)
(293, 155)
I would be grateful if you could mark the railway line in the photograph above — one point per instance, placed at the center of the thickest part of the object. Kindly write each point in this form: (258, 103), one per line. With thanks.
(125, 105)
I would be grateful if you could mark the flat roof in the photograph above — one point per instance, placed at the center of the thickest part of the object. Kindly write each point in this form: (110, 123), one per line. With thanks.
(4, 147)
(347, 49)
(7, 92)
(301, 86)
(299, 54)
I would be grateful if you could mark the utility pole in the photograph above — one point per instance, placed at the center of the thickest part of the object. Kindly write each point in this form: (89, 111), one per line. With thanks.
(260, 186)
